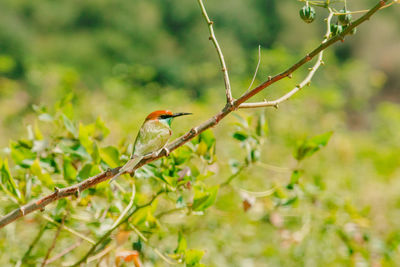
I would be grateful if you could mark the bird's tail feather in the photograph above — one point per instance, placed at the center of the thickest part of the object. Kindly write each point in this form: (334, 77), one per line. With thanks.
(130, 165)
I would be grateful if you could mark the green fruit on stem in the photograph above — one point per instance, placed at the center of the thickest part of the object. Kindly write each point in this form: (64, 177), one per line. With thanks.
(307, 14)
(345, 18)
(336, 29)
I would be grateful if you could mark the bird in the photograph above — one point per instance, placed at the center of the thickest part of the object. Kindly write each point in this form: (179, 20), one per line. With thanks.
(151, 138)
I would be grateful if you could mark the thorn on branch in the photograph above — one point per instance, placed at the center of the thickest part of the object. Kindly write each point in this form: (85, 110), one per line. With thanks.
(22, 210)
(42, 209)
(322, 63)
(210, 38)
(269, 78)
(290, 76)
(77, 192)
(276, 106)
(56, 190)
(193, 131)
(210, 22)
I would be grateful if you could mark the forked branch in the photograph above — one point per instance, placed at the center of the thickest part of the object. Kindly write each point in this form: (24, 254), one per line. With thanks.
(306, 81)
(228, 91)
(228, 108)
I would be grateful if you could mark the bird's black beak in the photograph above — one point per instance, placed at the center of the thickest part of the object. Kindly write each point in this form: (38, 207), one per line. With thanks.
(180, 114)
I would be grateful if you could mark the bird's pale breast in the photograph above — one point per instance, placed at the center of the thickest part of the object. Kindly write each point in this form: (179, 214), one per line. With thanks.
(152, 137)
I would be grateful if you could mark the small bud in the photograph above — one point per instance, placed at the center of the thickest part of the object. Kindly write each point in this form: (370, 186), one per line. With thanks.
(345, 18)
(307, 14)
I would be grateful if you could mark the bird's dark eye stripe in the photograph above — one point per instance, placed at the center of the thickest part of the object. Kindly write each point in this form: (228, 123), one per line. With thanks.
(165, 116)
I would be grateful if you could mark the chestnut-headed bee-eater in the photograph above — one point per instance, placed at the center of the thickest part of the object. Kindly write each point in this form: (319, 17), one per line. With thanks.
(152, 138)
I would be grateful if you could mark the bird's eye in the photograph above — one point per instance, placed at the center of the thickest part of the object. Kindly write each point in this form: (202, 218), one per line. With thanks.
(165, 116)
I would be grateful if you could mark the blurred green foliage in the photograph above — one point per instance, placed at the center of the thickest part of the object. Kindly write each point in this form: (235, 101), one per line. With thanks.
(313, 183)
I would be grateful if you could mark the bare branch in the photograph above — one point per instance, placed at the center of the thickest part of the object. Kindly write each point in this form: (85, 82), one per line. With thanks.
(306, 81)
(53, 244)
(109, 232)
(92, 181)
(130, 204)
(310, 55)
(228, 91)
(64, 252)
(33, 244)
(72, 231)
(256, 71)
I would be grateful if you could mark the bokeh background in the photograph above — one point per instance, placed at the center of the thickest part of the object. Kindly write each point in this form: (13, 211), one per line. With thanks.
(119, 60)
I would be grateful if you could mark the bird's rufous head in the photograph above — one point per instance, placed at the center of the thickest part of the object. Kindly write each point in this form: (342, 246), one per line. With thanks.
(164, 115)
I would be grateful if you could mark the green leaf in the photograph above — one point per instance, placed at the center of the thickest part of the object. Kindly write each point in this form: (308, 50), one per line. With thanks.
(43, 177)
(262, 127)
(144, 218)
(201, 149)
(75, 150)
(204, 199)
(58, 211)
(87, 171)
(296, 174)
(182, 244)
(169, 180)
(7, 181)
(37, 132)
(240, 135)
(182, 155)
(69, 170)
(193, 257)
(208, 138)
(312, 145)
(20, 154)
(102, 130)
(110, 155)
(70, 126)
(95, 154)
(85, 133)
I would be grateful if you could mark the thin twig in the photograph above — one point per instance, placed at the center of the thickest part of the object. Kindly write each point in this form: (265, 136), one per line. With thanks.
(158, 252)
(109, 232)
(72, 231)
(34, 242)
(128, 207)
(298, 87)
(162, 214)
(258, 194)
(228, 91)
(305, 59)
(233, 176)
(211, 122)
(258, 65)
(53, 244)
(273, 167)
(365, 10)
(101, 254)
(65, 251)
